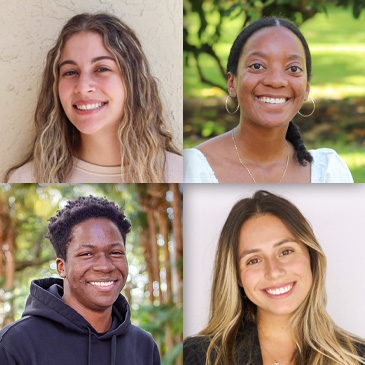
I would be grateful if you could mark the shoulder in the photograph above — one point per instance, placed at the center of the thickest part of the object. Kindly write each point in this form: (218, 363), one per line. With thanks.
(197, 168)
(360, 348)
(328, 167)
(24, 174)
(174, 168)
(14, 336)
(141, 343)
(140, 335)
(195, 350)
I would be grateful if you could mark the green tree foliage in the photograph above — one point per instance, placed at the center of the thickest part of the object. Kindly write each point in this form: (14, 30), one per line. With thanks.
(211, 15)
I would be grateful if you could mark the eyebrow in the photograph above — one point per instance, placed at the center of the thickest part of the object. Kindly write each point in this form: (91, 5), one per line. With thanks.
(95, 59)
(265, 55)
(277, 244)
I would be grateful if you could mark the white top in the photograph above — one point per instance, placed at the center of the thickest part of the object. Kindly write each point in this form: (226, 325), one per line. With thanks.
(85, 172)
(327, 167)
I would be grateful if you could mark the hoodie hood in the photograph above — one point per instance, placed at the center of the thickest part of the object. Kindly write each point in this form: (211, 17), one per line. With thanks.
(46, 300)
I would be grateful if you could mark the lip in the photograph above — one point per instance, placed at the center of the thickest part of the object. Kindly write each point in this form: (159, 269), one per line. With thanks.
(279, 296)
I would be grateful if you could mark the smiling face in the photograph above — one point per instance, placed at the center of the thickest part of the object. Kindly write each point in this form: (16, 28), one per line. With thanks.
(96, 268)
(274, 266)
(90, 85)
(271, 83)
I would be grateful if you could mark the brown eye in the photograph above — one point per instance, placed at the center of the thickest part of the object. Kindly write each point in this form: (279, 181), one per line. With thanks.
(256, 66)
(253, 261)
(295, 69)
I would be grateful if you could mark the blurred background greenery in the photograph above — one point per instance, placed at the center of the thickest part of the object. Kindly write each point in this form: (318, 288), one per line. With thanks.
(154, 251)
(335, 32)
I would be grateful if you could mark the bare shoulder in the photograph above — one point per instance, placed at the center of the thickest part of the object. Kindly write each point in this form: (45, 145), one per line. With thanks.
(216, 146)
(174, 168)
(23, 174)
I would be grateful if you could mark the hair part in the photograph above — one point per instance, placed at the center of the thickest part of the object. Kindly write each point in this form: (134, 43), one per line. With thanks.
(77, 211)
(293, 134)
(142, 136)
(319, 341)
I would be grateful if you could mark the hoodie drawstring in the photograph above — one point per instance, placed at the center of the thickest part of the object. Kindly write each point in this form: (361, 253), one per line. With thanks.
(89, 353)
(114, 349)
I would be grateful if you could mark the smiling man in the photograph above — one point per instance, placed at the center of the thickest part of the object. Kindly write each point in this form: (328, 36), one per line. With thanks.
(81, 318)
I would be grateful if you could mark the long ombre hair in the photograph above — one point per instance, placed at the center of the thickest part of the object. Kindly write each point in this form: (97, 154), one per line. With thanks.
(143, 138)
(318, 340)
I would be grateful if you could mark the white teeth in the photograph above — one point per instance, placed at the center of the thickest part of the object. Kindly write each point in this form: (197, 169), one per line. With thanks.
(272, 100)
(101, 283)
(279, 291)
(89, 106)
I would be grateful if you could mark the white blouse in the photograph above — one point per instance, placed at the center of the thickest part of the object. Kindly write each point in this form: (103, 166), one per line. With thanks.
(327, 167)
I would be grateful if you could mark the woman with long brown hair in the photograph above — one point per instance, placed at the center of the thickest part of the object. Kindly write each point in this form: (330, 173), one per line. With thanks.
(268, 298)
(99, 116)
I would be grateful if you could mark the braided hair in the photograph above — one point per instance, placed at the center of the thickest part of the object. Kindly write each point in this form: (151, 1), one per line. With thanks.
(292, 134)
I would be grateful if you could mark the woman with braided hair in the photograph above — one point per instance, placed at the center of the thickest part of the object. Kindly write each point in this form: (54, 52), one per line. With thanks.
(269, 72)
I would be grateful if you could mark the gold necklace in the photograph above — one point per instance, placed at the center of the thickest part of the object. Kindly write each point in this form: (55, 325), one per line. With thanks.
(248, 170)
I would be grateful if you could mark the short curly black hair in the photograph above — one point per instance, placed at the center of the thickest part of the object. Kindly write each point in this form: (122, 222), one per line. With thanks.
(79, 210)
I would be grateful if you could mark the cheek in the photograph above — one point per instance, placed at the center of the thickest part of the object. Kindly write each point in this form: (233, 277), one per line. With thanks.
(64, 90)
(249, 280)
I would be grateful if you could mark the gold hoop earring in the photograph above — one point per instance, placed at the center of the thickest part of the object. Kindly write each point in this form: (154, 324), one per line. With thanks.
(238, 106)
(314, 108)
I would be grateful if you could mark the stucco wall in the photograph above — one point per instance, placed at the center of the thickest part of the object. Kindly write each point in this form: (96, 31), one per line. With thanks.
(29, 29)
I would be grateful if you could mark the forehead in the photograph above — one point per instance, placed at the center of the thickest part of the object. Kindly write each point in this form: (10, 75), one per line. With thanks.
(263, 230)
(87, 44)
(98, 230)
(278, 42)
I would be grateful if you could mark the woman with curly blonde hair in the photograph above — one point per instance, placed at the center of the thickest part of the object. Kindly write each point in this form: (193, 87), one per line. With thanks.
(99, 115)
(268, 299)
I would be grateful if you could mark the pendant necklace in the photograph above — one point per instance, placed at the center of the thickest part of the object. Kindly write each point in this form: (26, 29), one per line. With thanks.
(249, 172)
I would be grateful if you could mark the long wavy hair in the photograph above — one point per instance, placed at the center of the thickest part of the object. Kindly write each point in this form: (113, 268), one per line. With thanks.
(292, 134)
(143, 138)
(318, 340)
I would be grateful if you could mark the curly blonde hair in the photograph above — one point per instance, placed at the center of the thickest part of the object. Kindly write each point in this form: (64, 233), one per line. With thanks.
(142, 137)
(318, 339)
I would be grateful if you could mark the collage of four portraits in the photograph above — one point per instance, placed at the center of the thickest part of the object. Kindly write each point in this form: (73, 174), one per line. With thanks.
(182, 182)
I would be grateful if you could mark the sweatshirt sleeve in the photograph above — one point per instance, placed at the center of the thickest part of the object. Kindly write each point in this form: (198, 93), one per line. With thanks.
(5, 357)
(156, 355)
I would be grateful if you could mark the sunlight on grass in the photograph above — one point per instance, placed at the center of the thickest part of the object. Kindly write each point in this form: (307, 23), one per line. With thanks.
(336, 91)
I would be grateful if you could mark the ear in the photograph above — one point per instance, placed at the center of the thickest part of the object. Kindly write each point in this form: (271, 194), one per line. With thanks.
(61, 267)
(231, 84)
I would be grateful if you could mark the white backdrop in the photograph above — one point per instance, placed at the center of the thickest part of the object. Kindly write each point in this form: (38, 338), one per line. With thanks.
(336, 213)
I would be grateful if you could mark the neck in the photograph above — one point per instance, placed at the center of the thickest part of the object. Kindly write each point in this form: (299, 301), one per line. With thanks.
(276, 337)
(273, 326)
(101, 321)
(101, 150)
(261, 145)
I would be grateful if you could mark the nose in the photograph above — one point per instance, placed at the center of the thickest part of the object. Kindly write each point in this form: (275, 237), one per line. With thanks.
(103, 263)
(275, 77)
(274, 269)
(85, 84)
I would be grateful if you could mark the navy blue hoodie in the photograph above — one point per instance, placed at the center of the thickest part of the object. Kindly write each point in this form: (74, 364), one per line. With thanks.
(51, 332)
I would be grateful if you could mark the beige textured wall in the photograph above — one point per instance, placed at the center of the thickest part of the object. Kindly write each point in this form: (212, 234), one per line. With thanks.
(29, 29)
